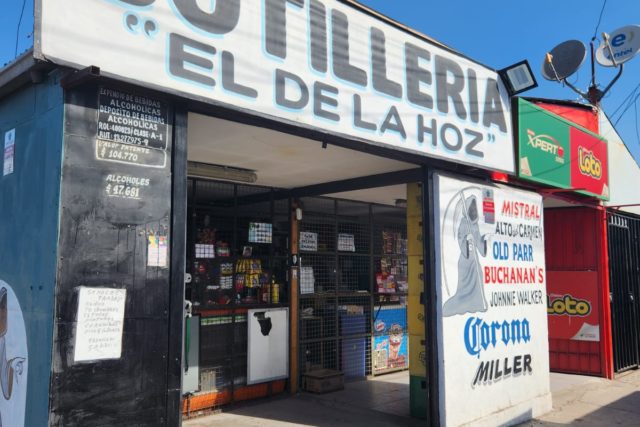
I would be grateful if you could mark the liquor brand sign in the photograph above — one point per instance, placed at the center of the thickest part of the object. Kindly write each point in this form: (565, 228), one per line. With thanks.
(321, 64)
(555, 152)
(493, 352)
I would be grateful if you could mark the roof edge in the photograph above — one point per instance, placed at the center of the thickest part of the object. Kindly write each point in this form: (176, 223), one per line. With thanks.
(21, 72)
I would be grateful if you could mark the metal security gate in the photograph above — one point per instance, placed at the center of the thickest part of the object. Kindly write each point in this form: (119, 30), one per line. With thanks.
(344, 247)
(624, 271)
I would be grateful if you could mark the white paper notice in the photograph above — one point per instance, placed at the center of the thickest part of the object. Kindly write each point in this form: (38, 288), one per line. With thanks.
(308, 241)
(9, 151)
(100, 323)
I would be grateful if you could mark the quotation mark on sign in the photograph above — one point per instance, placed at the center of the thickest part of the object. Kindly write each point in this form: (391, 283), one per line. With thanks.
(133, 22)
(491, 137)
(136, 25)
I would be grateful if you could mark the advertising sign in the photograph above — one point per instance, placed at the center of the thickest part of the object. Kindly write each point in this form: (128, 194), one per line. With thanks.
(390, 340)
(490, 262)
(556, 152)
(321, 64)
(572, 305)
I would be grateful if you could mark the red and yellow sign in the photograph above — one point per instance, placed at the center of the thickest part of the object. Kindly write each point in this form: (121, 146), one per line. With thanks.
(572, 305)
(559, 153)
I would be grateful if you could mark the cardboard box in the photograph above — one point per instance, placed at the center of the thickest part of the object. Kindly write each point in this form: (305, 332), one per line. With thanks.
(323, 381)
(417, 356)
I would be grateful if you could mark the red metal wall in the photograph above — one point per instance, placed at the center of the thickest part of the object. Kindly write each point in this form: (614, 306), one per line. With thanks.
(585, 117)
(575, 240)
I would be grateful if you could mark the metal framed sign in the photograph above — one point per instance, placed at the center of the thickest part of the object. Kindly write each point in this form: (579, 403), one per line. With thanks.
(555, 152)
(321, 64)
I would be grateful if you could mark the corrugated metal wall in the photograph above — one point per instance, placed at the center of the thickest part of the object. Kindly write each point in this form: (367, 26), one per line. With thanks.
(29, 206)
(571, 244)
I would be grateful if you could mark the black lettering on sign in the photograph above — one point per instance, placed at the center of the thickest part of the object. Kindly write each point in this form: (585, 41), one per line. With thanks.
(132, 119)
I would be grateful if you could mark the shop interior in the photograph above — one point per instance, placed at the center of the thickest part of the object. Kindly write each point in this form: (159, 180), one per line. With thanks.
(259, 200)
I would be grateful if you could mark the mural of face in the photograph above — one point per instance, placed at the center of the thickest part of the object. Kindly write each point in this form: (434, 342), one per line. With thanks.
(13, 359)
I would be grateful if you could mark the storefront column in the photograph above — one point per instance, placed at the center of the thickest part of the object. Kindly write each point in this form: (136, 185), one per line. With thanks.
(430, 302)
(294, 304)
(606, 343)
(177, 275)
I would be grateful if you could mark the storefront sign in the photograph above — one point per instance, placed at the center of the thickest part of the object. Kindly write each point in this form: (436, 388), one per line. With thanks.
(132, 129)
(556, 152)
(491, 275)
(318, 63)
(572, 305)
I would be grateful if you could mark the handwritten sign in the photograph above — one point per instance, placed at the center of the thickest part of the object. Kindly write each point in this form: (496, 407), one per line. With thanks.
(100, 323)
(346, 242)
(308, 241)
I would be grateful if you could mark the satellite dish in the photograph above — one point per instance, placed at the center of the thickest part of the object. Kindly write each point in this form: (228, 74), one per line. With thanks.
(566, 58)
(624, 43)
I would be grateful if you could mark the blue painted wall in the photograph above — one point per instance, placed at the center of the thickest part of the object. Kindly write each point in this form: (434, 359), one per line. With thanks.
(29, 212)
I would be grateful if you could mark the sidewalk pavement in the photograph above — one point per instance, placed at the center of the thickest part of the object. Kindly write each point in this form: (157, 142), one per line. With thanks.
(384, 401)
(589, 401)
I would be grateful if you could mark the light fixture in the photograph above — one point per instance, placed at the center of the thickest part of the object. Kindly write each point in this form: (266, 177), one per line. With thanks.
(226, 173)
(518, 77)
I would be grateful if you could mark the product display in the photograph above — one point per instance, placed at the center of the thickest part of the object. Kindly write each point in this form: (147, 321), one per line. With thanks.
(390, 340)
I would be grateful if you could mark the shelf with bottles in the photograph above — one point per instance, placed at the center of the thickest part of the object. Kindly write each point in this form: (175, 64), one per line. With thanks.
(236, 282)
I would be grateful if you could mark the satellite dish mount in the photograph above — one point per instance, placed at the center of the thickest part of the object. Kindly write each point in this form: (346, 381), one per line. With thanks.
(616, 49)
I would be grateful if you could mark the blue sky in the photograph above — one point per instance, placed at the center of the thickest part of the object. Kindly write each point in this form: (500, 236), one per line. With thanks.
(495, 32)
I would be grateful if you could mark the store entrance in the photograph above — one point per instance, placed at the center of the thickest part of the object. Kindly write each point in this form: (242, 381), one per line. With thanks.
(297, 263)
(353, 287)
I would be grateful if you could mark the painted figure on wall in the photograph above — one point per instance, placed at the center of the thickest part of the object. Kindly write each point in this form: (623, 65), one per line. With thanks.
(13, 360)
(469, 296)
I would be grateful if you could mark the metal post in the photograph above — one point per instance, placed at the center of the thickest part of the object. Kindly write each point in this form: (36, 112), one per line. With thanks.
(430, 297)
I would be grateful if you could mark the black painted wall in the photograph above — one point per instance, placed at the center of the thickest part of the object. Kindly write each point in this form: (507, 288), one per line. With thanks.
(103, 243)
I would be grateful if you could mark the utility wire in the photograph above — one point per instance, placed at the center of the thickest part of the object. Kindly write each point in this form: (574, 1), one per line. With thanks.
(627, 108)
(24, 2)
(595, 32)
(637, 133)
(631, 94)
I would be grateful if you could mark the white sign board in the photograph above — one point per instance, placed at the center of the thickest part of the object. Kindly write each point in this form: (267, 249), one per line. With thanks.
(308, 241)
(494, 359)
(346, 242)
(268, 342)
(9, 151)
(99, 324)
(322, 64)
